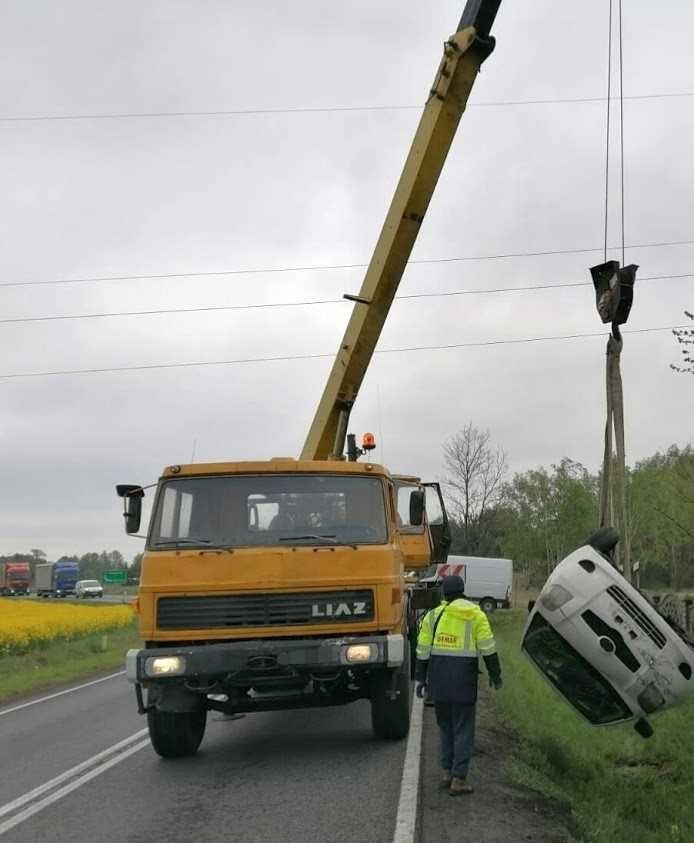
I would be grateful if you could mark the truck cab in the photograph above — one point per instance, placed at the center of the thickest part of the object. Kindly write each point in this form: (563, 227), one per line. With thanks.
(275, 585)
(15, 578)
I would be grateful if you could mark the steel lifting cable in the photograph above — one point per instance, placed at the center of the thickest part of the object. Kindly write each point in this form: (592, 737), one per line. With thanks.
(607, 133)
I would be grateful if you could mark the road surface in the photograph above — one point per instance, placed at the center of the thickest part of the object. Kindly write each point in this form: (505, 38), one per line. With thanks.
(78, 767)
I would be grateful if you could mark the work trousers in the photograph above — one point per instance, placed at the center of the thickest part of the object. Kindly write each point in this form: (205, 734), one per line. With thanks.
(456, 722)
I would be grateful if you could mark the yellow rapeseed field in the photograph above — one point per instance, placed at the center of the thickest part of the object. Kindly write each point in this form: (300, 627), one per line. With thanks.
(25, 623)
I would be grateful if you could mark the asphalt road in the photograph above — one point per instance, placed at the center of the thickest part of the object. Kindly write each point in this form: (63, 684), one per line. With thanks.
(315, 775)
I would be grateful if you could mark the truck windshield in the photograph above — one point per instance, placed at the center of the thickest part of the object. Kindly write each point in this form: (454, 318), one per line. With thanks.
(574, 678)
(262, 510)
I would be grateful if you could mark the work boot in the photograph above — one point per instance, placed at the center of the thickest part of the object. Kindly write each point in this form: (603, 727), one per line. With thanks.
(459, 786)
(445, 782)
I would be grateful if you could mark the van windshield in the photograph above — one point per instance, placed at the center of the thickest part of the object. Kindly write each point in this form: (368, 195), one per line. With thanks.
(262, 510)
(577, 680)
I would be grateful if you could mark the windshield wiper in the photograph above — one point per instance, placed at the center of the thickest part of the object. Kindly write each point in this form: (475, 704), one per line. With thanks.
(325, 538)
(186, 540)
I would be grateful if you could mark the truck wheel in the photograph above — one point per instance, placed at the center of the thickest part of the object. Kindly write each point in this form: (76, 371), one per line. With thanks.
(390, 719)
(488, 604)
(176, 734)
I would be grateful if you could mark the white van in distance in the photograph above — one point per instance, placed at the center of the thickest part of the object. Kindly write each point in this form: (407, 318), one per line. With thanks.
(603, 646)
(488, 581)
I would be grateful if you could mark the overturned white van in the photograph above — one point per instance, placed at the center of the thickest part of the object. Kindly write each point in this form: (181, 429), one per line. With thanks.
(603, 646)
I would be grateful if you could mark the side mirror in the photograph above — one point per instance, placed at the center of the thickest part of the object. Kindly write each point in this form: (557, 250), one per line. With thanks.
(132, 505)
(417, 507)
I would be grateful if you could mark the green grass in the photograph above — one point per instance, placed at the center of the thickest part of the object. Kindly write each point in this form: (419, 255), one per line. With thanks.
(64, 661)
(619, 787)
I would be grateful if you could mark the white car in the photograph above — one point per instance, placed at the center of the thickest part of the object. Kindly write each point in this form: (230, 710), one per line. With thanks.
(604, 647)
(88, 588)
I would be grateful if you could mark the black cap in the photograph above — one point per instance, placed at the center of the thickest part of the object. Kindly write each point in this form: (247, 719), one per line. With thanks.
(452, 585)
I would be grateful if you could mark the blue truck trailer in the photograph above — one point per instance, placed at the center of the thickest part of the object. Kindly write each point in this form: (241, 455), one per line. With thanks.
(56, 579)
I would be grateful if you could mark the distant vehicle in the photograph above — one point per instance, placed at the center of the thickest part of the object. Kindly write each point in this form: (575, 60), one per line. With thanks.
(15, 578)
(56, 579)
(488, 580)
(89, 588)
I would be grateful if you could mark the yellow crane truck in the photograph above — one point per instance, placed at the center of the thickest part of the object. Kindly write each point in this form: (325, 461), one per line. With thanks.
(281, 584)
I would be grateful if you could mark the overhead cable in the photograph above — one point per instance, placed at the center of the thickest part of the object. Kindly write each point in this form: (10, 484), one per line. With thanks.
(310, 302)
(249, 112)
(295, 357)
(323, 267)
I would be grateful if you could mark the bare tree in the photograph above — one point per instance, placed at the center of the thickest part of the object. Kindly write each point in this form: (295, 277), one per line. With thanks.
(37, 553)
(475, 472)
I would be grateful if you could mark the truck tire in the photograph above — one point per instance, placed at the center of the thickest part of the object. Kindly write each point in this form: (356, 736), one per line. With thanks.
(176, 734)
(390, 719)
(488, 604)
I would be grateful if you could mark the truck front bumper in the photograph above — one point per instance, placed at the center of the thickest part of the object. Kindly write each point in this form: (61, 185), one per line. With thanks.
(210, 661)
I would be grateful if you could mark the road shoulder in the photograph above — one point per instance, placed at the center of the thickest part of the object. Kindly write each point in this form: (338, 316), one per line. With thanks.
(499, 811)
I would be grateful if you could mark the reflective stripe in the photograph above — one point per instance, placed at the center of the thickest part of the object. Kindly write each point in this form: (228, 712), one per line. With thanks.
(487, 646)
(465, 654)
(467, 642)
(423, 651)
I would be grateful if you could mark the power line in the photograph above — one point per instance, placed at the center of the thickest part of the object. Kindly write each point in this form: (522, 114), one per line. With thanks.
(322, 267)
(312, 302)
(294, 357)
(249, 112)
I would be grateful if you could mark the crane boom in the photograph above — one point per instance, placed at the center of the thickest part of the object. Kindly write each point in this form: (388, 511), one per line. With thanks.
(463, 54)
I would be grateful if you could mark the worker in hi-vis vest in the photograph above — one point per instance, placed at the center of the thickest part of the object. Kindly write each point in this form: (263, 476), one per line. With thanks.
(451, 638)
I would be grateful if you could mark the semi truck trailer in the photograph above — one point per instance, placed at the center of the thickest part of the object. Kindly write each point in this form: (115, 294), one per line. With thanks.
(56, 579)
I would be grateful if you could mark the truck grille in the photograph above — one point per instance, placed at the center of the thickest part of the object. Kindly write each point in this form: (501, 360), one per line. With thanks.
(638, 615)
(256, 610)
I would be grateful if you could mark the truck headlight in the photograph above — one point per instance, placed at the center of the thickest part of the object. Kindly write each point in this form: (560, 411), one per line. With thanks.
(360, 653)
(165, 665)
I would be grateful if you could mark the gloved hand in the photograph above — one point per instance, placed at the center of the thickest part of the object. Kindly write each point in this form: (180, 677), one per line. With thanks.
(496, 682)
(421, 690)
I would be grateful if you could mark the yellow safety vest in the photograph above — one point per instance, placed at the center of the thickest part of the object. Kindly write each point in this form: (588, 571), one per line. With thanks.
(459, 628)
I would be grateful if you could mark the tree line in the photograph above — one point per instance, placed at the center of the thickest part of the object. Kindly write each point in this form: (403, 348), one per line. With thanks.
(539, 516)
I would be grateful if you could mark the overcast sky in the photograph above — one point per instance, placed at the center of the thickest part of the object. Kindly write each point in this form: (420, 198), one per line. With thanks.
(94, 198)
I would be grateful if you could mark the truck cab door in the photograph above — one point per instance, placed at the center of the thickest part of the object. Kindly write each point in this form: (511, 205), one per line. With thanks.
(437, 518)
(427, 543)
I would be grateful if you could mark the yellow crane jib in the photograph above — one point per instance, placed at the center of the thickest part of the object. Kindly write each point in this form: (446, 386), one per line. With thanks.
(463, 55)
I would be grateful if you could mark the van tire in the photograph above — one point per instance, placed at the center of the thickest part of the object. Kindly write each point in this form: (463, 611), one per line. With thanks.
(176, 734)
(488, 604)
(390, 719)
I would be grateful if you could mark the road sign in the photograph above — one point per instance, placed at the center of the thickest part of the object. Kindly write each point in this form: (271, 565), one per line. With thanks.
(119, 577)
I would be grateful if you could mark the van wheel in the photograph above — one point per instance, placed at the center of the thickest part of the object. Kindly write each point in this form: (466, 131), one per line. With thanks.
(488, 604)
(176, 734)
(390, 719)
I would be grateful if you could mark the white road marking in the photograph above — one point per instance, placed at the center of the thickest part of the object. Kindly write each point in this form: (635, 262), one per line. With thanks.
(68, 774)
(60, 693)
(118, 752)
(406, 820)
